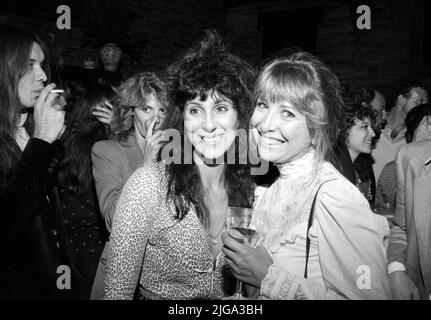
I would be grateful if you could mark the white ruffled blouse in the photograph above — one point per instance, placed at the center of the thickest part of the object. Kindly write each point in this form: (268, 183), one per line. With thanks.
(347, 258)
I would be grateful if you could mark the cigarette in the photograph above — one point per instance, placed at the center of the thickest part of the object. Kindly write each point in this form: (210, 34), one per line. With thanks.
(57, 91)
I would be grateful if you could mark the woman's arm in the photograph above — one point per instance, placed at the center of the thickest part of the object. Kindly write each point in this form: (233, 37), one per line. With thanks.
(280, 284)
(351, 253)
(255, 267)
(129, 235)
(352, 243)
(108, 179)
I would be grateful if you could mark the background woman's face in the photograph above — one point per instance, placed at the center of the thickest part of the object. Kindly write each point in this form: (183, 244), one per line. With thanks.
(144, 115)
(360, 137)
(210, 125)
(280, 131)
(31, 84)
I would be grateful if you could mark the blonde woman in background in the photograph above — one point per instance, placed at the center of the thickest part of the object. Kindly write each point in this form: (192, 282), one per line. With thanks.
(138, 116)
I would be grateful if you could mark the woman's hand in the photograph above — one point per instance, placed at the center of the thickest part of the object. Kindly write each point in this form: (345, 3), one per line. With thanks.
(103, 113)
(403, 288)
(48, 119)
(153, 143)
(248, 264)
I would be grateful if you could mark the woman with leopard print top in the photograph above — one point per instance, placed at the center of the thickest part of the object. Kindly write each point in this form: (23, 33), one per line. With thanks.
(166, 231)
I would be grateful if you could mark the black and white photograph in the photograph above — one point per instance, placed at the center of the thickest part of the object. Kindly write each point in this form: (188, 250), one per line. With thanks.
(215, 154)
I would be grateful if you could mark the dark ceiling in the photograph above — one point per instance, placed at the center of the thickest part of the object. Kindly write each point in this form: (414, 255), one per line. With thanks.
(235, 3)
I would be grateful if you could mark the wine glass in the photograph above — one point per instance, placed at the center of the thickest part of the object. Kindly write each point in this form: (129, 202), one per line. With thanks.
(241, 225)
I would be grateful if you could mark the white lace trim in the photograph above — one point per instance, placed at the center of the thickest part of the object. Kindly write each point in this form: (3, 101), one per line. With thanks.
(285, 206)
(270, 277)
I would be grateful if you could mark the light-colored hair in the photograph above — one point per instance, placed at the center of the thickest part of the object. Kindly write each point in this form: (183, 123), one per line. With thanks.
(305, 82)
(133, 93)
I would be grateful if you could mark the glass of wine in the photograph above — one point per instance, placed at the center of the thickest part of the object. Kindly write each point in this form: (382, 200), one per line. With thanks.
(241, 225)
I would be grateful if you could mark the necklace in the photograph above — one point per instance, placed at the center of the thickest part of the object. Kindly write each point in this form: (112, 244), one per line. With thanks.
(364, 187)
(215, 237)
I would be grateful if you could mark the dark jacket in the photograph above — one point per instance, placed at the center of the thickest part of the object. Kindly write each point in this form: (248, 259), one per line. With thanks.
(32, 242)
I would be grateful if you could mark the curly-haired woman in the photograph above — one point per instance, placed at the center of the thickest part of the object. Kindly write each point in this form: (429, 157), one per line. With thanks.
(373, 103)
(166, 232)
(356, 136)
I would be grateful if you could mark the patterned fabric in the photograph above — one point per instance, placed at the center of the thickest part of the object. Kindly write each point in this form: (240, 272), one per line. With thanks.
(85, 230)
(387, 187)
(170, 259)
(86, 234)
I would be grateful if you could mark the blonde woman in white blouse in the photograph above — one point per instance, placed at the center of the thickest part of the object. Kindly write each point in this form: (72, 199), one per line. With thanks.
(294, 126)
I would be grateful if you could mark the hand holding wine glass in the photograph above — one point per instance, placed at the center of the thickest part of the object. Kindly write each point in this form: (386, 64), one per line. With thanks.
(248, 264)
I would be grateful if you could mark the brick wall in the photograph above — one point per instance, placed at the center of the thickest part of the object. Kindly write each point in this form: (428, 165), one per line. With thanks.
(169, 26)
(379, 57)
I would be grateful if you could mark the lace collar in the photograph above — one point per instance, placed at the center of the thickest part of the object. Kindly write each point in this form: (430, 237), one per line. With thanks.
(299, 167)
(287, 202)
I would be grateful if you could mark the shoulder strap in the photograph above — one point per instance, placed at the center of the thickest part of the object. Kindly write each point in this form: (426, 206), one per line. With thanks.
(310, 221)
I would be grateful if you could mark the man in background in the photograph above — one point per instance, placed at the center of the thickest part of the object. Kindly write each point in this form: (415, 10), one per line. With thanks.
(392, 136)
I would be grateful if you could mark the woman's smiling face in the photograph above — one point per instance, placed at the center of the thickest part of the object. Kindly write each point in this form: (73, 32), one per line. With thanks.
(210, 125)
(280, 131)
(360, 138)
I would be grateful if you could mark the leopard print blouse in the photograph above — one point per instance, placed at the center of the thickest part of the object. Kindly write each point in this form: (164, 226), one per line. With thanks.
(165, 257)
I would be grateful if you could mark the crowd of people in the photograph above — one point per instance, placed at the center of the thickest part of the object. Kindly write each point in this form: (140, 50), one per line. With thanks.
(125, 195)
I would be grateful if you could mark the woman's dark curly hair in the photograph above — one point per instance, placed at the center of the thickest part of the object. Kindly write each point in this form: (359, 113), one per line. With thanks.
(362, 96)
(353, 112)
(414, 118)
(206, 68)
